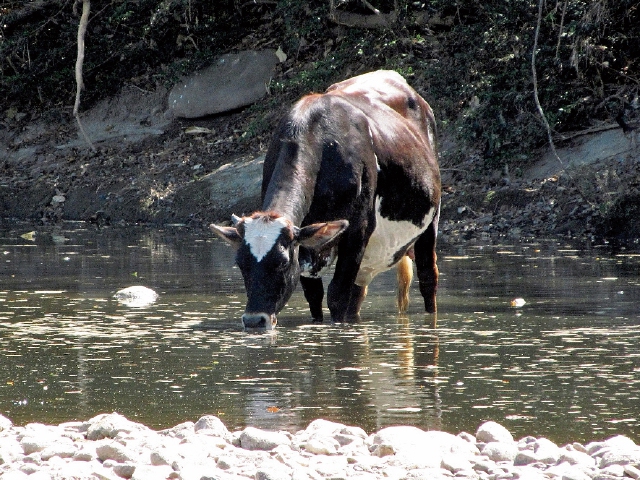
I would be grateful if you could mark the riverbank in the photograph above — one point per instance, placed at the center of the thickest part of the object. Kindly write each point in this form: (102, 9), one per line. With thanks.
(109, 446)
(195, 172)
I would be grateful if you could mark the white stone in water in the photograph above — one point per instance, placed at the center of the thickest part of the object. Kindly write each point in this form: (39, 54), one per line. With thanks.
(136, 296)
(493, 432)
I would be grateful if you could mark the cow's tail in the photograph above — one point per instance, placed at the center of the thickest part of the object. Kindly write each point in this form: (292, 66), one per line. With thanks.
(404, 273)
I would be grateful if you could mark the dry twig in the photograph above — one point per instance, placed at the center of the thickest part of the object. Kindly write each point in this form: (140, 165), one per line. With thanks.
(82, 29)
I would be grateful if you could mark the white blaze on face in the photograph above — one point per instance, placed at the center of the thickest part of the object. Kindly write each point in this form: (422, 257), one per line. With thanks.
(261, 234)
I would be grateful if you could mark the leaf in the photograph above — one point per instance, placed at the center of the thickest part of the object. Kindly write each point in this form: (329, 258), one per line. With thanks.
(31, 236)
(273, 409)
(281, 55)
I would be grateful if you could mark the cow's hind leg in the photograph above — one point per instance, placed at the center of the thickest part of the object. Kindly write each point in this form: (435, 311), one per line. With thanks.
(425, 256)
(314, 293)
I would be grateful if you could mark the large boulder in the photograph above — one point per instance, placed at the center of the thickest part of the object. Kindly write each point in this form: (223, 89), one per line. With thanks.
(234, 81)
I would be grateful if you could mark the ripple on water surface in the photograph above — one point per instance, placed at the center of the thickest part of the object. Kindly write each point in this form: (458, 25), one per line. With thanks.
(565, 364)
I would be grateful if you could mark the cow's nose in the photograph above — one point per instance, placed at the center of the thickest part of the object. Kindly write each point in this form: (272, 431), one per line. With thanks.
(259, 320)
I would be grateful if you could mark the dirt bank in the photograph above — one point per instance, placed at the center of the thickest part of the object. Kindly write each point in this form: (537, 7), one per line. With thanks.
(153, 170)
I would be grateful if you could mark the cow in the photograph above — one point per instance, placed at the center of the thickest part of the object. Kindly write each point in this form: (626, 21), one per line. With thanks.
(351, 176)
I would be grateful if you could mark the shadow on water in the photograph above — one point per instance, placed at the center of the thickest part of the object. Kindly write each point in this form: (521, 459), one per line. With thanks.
(565, 365)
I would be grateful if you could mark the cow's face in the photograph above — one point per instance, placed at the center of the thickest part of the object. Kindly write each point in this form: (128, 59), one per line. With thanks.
(267, 254)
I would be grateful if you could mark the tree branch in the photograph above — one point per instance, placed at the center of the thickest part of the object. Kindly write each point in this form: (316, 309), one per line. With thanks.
(377, 20)
(535, 85)
(82, 30)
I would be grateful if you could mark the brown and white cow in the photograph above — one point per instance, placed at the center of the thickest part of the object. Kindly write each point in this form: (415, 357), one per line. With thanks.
(351, 175)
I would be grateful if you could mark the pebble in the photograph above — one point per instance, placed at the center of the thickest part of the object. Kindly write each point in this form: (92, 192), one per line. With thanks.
(111, 447)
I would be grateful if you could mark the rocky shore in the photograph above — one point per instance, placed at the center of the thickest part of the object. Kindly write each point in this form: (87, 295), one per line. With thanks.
(109, 446)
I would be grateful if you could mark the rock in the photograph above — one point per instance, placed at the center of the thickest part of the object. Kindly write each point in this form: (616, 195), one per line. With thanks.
(493, 432)
(322, 445)
(5, 423)
(181, 430)
(525, 457)
(256, 439)
(108, 425)
(500, 452)
(324, 450)
(546, 451)
(574, 457)
(115, 451)
(234, 81)
(418, 448)
(211, 425)
(136, 296)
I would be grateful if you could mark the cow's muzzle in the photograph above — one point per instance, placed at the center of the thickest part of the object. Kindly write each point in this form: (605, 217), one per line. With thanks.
(259, 320)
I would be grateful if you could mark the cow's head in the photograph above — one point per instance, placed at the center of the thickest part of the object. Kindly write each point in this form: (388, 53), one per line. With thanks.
(267, 254)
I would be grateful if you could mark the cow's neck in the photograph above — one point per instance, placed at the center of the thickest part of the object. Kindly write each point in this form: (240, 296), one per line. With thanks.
(291, 188)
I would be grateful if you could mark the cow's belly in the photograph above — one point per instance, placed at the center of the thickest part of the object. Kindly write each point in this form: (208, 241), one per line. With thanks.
(388, 240)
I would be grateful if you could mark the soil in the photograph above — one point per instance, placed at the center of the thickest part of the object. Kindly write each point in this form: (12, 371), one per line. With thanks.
(150, 169)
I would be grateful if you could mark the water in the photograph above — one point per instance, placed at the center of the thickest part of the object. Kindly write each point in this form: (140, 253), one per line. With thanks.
(566, 365)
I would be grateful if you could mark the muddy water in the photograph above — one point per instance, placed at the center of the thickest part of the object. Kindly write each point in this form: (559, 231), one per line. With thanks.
(566, 365)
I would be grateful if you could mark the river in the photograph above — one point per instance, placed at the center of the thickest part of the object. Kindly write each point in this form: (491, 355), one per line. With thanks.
(565, 365)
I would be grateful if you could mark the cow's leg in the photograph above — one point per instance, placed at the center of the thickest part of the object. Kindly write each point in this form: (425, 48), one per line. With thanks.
(314, 293)
(358, 294)
(425, 257)
(350, 252)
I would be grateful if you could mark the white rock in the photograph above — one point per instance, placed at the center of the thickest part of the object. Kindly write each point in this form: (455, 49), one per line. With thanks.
(500, 452)
(575, 457)
(111, 450)
(212, 425)
(15, 475)
(181, 430)
(525, 457)
(136, 296)
(455, 463)
(322, 445)
(150, 472)
(420, 449)
(493, 432)
(620, 457)
(566, 471)
(546, 451)
(5, 423)
(108, 425)
(256, 439)
(327, 466)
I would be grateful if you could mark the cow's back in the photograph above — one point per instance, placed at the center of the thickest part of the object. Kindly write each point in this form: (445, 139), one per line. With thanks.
(369, 144)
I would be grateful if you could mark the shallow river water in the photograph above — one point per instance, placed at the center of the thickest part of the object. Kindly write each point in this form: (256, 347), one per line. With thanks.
(565, 365)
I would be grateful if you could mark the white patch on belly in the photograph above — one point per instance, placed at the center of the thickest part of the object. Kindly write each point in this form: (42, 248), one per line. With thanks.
(387, 239)
(262, 235)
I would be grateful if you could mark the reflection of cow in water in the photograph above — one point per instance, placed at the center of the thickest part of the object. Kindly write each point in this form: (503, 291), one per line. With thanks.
(351, 175)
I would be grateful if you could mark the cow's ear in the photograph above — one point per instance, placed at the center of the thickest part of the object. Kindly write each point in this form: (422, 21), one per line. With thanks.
(228, 234)
(318, 234)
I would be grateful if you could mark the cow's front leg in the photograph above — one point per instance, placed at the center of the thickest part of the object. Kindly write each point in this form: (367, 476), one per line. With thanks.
(425, 256)
(314, 293)
(339, 294)
(358, 294)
